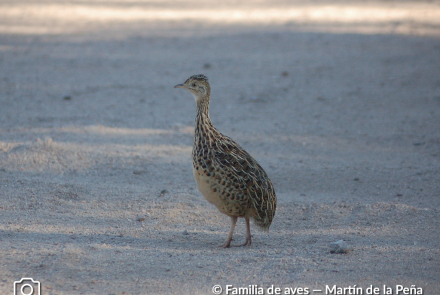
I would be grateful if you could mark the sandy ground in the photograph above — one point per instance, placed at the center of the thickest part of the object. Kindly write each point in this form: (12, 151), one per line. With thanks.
(338, 101)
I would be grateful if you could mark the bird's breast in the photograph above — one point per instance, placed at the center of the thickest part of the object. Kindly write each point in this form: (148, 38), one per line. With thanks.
(216, 193)
(206, 186)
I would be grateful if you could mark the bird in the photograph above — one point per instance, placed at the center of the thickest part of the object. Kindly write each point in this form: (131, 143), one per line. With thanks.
(227, 175)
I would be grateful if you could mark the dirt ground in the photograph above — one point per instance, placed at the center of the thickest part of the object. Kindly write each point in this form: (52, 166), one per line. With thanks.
(338, 101)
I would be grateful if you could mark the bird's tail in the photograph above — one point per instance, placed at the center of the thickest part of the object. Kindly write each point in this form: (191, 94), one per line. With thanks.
(265, 205)
(264, 222)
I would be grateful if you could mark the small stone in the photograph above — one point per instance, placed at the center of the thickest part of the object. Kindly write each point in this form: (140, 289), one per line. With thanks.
(140, 218)
(163, 192)
(138, 172)
(285, 74)
(67, 97)
(185, 232)
(339, 247)
(356, 179)
(207, 66)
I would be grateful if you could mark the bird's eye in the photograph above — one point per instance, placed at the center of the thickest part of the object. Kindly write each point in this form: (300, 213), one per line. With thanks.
(193, 84)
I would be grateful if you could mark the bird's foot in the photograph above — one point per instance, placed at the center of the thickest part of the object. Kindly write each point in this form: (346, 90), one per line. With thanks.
(227, 244)
(247, 243)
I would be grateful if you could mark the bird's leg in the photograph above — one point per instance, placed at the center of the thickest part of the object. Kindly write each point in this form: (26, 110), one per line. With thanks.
(248, 241)
(231, 231)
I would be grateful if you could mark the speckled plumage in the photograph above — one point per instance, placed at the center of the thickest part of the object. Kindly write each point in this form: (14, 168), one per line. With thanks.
(226, 175)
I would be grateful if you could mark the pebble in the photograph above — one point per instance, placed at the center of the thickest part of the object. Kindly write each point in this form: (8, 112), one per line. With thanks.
(138, 172)
(339, 247)
(185, 232)
(140, 218)
(163, 192)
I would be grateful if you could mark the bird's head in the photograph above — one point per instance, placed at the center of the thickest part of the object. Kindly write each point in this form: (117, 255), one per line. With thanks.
(198, 85)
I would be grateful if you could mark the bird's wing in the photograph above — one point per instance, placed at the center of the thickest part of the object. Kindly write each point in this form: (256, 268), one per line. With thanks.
(249, 176)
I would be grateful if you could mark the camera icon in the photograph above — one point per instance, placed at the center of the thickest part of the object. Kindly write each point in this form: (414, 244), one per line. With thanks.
(26, 286)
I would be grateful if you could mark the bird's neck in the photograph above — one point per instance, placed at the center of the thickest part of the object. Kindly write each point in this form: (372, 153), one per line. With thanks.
(203, 122)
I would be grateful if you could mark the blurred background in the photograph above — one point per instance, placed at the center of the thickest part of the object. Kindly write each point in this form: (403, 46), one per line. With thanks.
(122, 18)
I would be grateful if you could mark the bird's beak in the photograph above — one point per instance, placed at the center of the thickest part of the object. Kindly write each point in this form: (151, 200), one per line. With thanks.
(179, 86)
